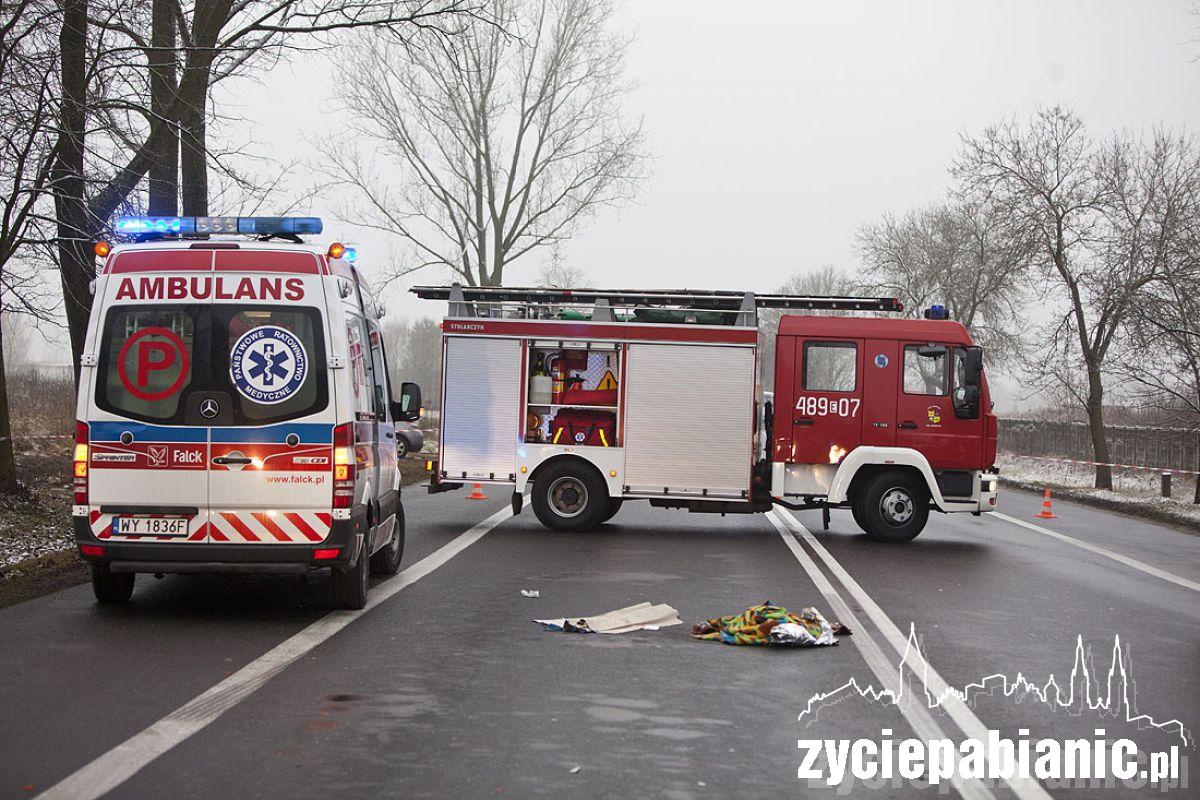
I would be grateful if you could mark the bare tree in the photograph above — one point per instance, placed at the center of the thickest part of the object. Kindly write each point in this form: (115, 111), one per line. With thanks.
(123, 114)
(558, 274)
(965, 254)
(28, 81)
(1089, 208)
(503, 139)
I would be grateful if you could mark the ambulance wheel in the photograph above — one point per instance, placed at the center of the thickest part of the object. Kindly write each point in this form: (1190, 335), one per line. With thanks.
(614, 505)
(348, 585)
(569, 497)
(387, 560)
(893, 507)
(111, 587)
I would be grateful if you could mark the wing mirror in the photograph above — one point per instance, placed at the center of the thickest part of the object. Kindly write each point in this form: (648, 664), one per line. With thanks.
(408, 408)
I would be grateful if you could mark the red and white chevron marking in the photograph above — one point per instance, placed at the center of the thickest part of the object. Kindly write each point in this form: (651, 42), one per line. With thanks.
(236, 527)
(260, 527)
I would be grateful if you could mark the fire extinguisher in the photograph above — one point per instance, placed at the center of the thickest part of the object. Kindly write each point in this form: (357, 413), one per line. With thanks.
(558, 371)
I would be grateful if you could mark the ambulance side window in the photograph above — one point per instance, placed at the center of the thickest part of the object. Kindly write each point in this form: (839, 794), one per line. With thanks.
(146, 361)
(359, 368)
(926, 374)
(830, 366)
(379, 370)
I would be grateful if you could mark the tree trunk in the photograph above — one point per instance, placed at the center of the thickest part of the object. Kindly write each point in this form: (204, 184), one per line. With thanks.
(8, 467)
(194, 150)
(75, 260)
(1095, 412)
(1196, 494)
(164, 174)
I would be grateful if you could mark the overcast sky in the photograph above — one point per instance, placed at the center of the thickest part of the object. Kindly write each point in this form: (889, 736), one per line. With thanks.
(777, 133)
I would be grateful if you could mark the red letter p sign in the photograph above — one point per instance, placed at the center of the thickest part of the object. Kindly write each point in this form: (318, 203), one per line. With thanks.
(157, 363)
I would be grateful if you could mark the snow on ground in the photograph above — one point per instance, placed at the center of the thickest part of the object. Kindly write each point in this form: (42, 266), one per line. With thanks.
(1137, 489)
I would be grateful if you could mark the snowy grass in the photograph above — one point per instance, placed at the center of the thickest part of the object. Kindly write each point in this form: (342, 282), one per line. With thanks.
(1135, 491)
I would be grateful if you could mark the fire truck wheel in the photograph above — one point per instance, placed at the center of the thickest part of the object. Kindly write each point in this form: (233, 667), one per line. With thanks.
(614, 505)
(569, 497)
(892, 507)
(348, 586)
(387, 560)
(111, 587)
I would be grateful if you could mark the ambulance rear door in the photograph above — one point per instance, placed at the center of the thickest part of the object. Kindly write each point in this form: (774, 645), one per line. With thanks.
(148, 478)
(270, 470)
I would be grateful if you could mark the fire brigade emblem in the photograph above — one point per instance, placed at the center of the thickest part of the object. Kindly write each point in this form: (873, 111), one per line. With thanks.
(268, 364)
(935, 415)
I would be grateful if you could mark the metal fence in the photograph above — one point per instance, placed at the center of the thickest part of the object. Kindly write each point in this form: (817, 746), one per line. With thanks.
(1159, 448)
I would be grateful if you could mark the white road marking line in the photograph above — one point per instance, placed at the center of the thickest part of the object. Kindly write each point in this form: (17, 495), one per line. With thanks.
(121, 763)
(959, 711)
(886, 671)
(1126, 560)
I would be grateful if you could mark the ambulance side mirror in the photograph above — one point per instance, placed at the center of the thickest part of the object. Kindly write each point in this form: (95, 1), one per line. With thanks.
(408, 409)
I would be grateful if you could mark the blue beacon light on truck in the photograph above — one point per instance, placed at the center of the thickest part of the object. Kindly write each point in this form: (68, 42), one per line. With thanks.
(937, 311)
(262, 226)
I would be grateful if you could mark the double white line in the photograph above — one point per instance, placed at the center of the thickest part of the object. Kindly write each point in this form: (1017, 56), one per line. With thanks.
(886, 666)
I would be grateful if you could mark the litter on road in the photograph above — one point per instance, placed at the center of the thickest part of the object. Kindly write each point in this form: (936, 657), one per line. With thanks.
(767, 624)
(623, 620)
(530, 593)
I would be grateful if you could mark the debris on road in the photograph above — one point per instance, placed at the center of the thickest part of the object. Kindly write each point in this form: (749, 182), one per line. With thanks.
(623, 620)
(530, 593)
(573, 770)
(767, 624)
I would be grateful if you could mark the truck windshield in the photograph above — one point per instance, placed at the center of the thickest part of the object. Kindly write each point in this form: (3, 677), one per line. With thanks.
(269, 361)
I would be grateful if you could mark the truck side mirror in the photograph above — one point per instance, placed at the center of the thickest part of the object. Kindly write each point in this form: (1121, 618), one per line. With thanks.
(973, 366)
(966, 396)
(408, 409)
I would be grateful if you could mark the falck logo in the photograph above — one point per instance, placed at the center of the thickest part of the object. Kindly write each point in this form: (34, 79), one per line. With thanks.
(268, 364)
(209, 408)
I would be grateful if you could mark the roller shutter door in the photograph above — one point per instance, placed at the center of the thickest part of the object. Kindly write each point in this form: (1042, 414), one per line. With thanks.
(479, 408)
(689, 420)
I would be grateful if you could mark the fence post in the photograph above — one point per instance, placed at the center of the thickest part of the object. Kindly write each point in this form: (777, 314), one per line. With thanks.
(1166, 484)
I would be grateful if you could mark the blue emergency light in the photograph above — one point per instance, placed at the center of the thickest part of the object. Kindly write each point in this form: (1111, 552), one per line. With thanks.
(937, 311)
(257, 226)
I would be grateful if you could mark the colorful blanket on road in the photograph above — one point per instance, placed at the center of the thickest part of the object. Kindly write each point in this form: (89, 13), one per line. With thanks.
(767, 624)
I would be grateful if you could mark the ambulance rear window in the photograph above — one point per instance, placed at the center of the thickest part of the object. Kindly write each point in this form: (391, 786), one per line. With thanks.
(146, 360)
(270, 360)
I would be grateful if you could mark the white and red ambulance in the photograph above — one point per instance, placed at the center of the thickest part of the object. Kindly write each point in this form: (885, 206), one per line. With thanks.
(234, 410)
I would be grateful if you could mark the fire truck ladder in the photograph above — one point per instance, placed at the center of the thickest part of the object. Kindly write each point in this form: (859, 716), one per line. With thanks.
(746, 304)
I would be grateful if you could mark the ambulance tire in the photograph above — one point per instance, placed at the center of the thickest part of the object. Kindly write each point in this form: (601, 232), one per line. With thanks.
(893, 506)
(348, 586)
(387, 560)
(614, 505)
(569, 496)
(111, 587)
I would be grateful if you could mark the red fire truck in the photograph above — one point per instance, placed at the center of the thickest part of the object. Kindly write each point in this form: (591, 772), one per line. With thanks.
(597, 397)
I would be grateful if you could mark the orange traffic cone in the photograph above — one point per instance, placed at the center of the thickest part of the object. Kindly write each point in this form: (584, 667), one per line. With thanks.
(1046, 513)
(477, 493)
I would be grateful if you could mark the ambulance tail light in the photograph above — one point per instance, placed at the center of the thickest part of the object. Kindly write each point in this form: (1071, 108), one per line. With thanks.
(343, 465)
(80, 474)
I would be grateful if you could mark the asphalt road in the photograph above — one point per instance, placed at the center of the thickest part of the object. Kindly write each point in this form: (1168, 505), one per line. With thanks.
(446, 688)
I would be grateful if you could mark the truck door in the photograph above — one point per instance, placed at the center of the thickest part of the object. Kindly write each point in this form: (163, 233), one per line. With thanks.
(826, 415)
(270, 471)
(925, 415)
(148, 475)
(881, 366)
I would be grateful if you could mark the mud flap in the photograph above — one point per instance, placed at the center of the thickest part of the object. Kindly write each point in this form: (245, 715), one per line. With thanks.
(825, 517)
(518, 502)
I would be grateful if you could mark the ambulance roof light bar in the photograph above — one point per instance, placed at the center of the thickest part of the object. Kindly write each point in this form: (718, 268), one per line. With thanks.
(150, 227)
(715, 300)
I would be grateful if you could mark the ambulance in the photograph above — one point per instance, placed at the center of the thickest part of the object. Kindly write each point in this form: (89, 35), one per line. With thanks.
(585, 399)
(235, 413)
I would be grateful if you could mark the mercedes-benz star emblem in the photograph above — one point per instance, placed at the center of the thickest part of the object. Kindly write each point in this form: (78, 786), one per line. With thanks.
(209, 408)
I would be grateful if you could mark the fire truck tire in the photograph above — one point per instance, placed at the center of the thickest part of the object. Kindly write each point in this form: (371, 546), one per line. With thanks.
(111, 587)
(892, 506)
(387, 560)
(569, 496)
(348, 585)
(614, 505)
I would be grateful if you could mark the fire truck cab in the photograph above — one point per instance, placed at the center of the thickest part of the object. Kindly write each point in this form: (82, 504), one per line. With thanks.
(588, 398)
(234, 411)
